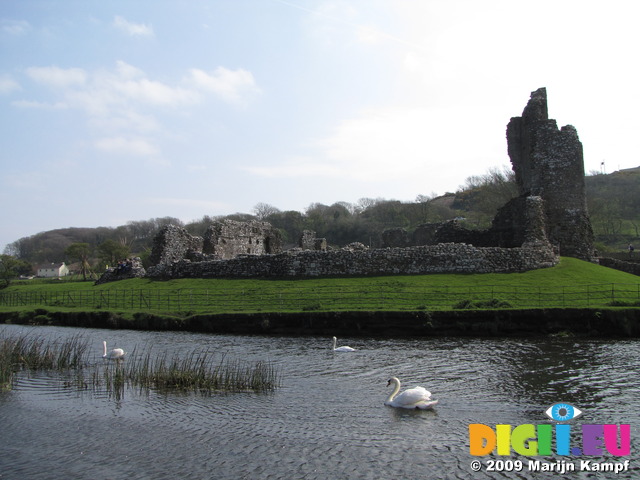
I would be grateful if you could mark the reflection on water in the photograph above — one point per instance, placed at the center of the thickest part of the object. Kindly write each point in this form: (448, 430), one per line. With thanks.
(326, 421)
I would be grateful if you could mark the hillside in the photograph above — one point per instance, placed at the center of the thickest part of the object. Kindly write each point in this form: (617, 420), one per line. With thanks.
(614, 207)
(613, 202)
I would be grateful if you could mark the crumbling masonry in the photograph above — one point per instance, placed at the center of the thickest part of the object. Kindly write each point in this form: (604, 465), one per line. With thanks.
(548, 218)
(548, 163)
(551, 206)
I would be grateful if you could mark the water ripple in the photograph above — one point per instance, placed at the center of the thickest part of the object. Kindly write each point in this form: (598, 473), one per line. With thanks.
(327, 420)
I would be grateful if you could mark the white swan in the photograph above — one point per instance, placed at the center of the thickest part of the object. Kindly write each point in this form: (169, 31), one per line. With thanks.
(416, 397)
(341, 349)
(114, 354)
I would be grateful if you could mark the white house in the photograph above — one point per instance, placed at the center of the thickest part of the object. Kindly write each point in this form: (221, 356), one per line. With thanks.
(53, 270)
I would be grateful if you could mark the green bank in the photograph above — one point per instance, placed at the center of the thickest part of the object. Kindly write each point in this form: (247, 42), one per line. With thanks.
(574, 296)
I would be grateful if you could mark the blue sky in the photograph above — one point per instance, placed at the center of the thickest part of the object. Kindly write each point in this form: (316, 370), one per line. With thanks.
(117, 111)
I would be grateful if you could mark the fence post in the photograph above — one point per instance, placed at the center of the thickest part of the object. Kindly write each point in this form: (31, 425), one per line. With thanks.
(613, 292)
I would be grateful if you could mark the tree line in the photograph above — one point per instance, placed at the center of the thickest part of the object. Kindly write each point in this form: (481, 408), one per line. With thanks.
(613, 202)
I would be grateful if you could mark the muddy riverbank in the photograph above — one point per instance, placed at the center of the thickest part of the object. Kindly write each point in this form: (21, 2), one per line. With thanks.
(621, 322)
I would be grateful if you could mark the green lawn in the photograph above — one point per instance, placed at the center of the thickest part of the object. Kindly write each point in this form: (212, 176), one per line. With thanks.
(573, 283)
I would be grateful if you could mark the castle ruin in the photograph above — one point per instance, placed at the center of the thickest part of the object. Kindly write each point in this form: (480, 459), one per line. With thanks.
(223, 240)
(548, 162)
(548, 218)
(551, 205)
(228, 239)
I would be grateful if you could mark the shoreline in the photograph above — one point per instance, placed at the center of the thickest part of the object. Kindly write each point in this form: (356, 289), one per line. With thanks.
(595, 323)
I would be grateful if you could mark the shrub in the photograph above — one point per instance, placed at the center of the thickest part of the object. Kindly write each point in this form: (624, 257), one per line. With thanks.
(311, 307)
(479, 304)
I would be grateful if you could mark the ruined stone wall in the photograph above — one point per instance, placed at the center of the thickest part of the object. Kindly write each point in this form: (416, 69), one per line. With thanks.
(228, 239)
(308, 241)
(222, 240)
(520, 221)
(173, 243)
(629, 267)
(442, 258)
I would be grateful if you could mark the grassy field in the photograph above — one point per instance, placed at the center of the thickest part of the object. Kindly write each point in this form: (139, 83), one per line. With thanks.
(573, 283)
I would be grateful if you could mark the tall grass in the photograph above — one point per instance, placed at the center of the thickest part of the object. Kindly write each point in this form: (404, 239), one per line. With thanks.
(196, 372)
(35, 353)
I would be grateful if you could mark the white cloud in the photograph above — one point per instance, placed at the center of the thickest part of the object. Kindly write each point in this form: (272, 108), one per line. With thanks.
(15, 27)
(419, 147)
(376, 145)
(129, 113)
(103, 92)
(127, 71)
(126, 120)
(127, 146)
(57, 77)
(8, 84)
(233, 86)
(40, 105)
(133, 29)
(385, 143)
(122, 104)
(155, 93)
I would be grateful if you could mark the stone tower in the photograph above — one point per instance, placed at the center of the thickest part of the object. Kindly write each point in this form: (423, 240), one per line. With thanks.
(548, 163)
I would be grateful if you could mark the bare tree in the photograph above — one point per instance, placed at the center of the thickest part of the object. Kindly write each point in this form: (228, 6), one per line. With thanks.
(80, 251)
(264, 210)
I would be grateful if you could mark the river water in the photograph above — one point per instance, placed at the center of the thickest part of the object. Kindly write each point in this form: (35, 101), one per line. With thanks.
(327, 419)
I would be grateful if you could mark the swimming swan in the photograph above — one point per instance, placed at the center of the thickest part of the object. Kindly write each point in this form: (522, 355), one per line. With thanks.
(341, 349)
(114, 354)
(416, 397)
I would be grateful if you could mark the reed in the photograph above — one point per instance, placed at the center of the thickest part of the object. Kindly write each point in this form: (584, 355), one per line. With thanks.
(33, 352)
(197, 371)
(6, 368)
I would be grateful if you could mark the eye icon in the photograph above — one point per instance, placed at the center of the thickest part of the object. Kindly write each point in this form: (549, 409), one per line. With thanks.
(562, 412)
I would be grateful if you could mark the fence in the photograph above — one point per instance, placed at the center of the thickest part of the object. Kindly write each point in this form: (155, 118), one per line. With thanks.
(332, 297)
